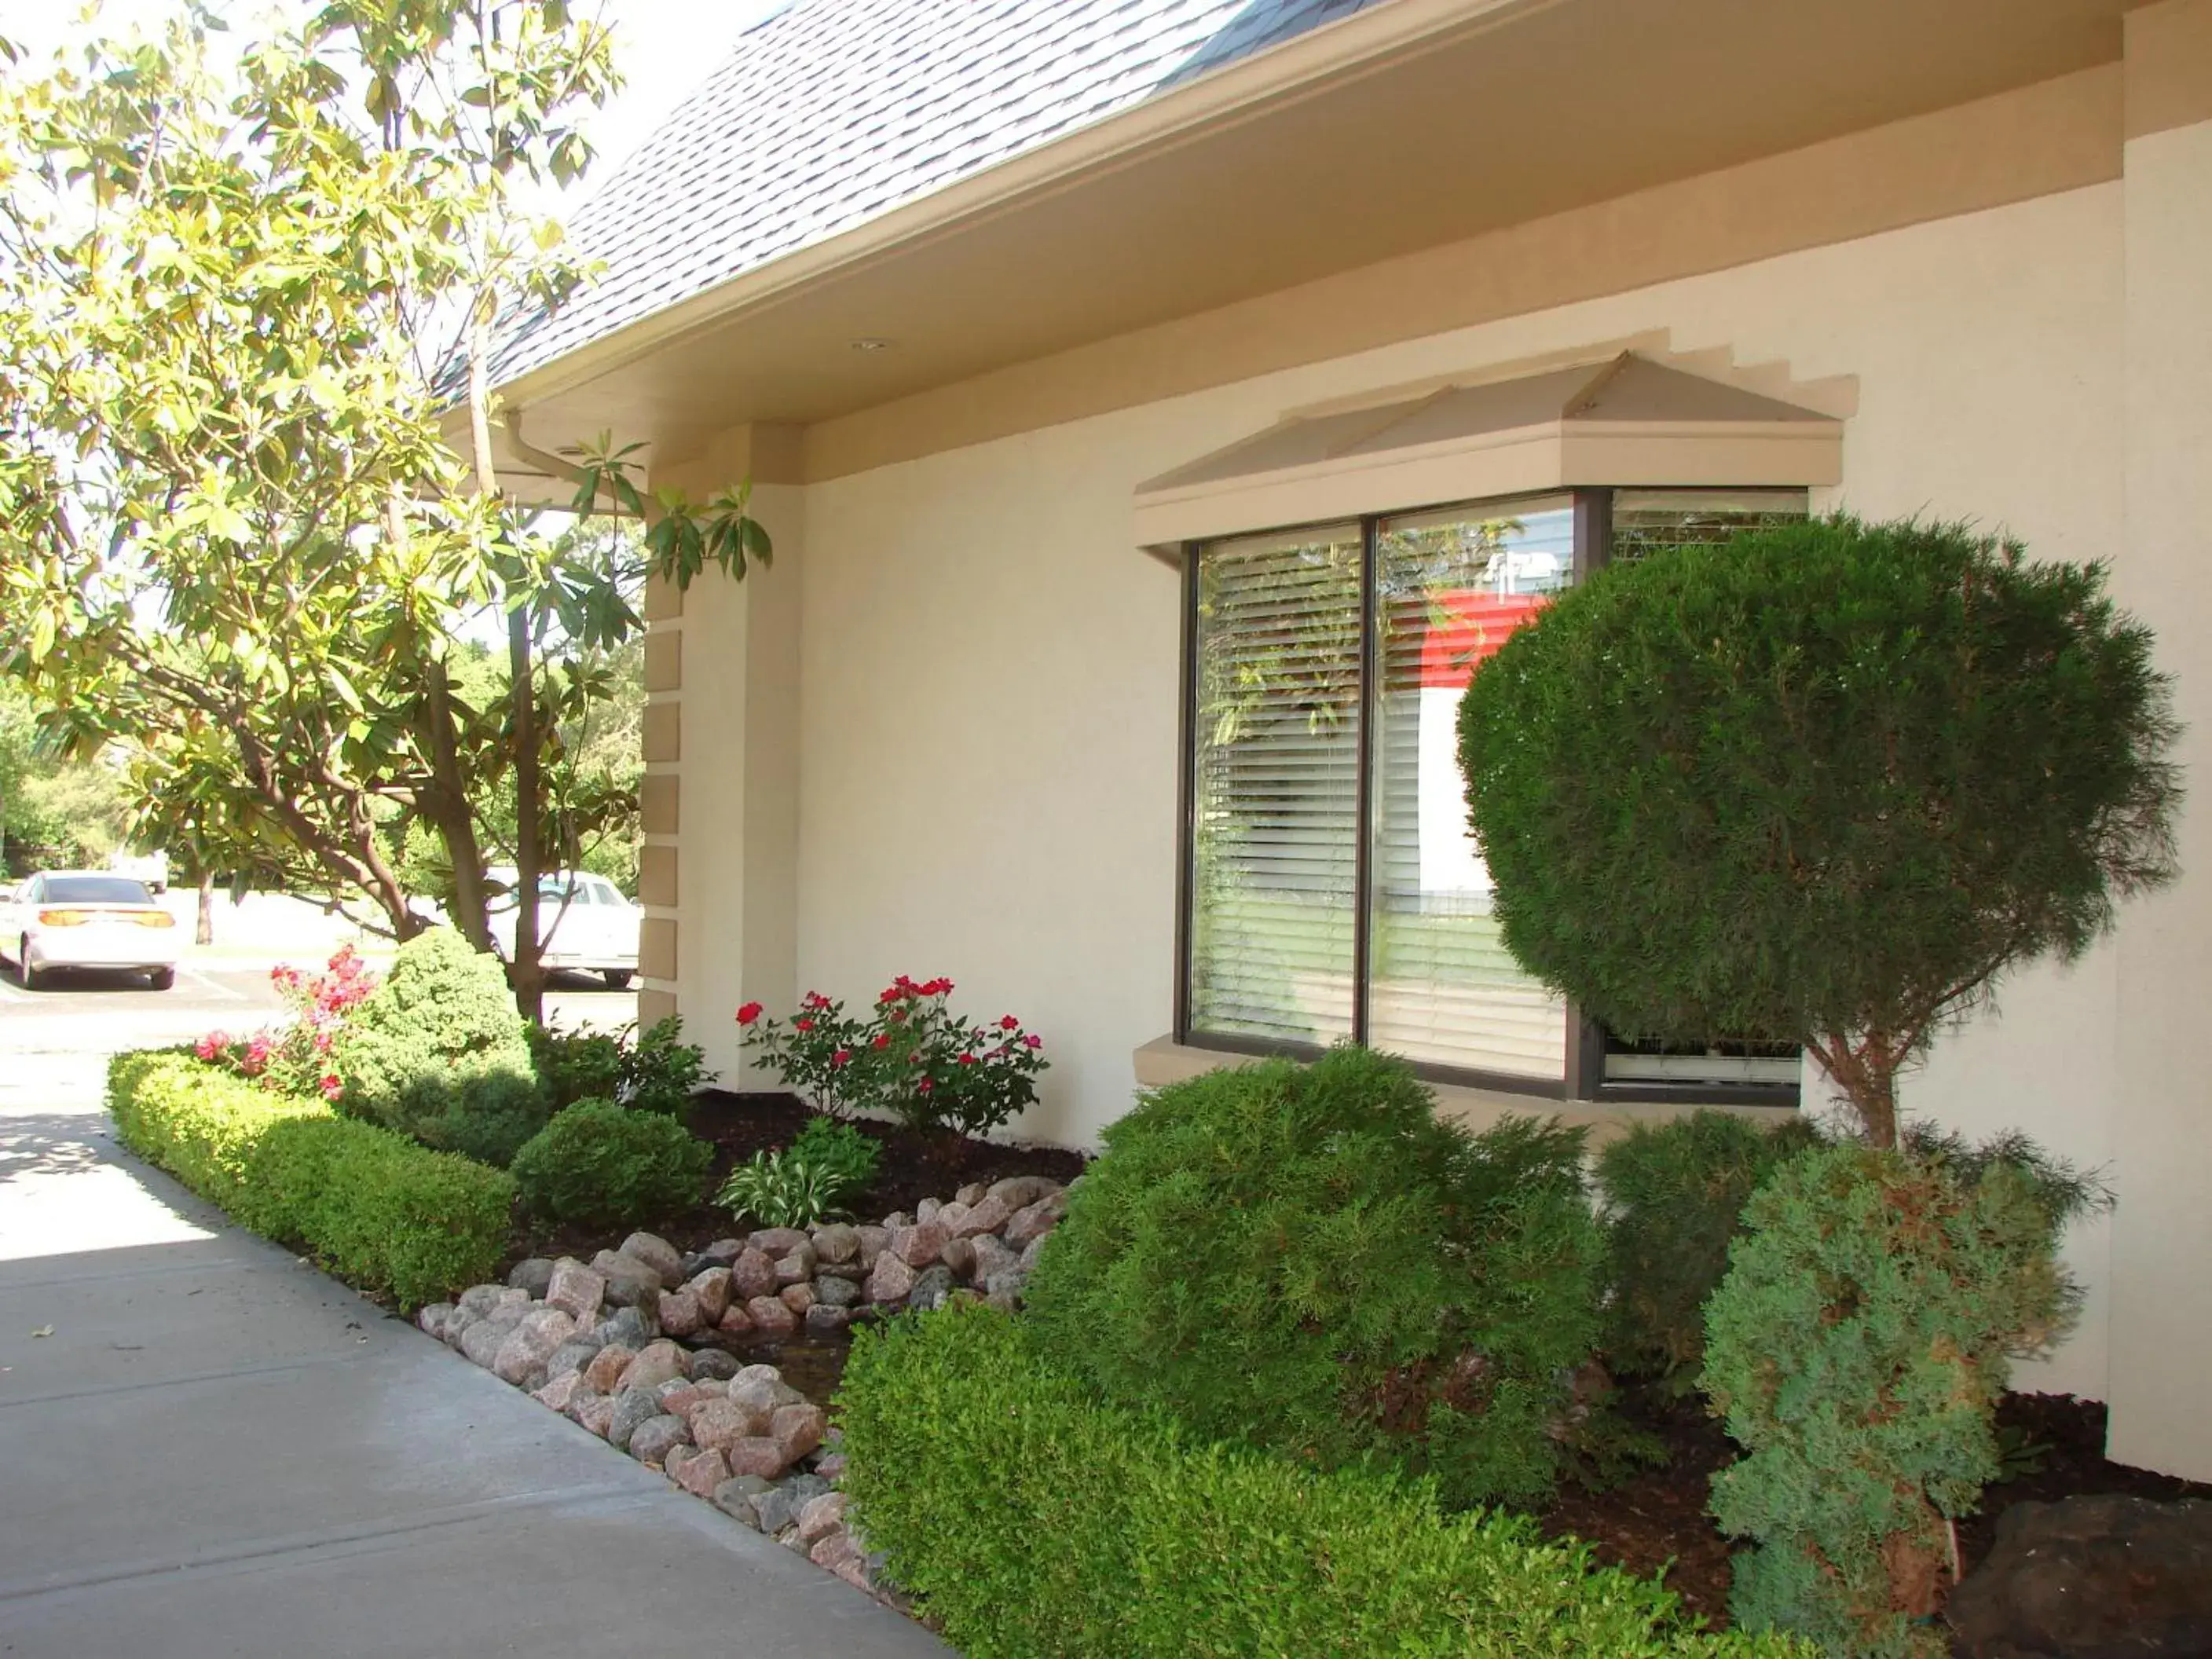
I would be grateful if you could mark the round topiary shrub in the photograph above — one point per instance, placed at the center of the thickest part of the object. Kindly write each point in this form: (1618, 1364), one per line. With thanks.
(1823, 785)
(1857, 1349)
(597, 1165)
(1307, 1259)
(1674, 1194)
(438, 1052)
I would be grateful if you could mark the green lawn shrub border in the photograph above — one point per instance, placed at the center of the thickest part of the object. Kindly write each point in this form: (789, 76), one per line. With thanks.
(378, 1211)
(1031, 1520)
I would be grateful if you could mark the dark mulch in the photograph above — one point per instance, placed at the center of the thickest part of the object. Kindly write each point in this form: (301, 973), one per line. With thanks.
(1660, 1516)
(914, 1165)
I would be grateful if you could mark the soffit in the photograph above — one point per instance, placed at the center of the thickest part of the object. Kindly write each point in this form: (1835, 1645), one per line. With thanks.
(1469, 116)
(1626, 420)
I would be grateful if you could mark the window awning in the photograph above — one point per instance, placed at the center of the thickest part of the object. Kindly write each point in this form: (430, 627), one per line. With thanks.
(1625, 420)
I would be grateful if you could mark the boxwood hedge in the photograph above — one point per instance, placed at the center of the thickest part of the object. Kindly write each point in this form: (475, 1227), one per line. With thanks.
(377, 1210)
(1031, 1520)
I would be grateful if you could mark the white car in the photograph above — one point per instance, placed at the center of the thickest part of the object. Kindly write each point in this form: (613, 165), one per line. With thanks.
(86, 919)
(584, 925)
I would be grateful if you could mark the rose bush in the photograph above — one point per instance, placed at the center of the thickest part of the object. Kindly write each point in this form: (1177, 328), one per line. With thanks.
(911, 1057)
(292, 1057)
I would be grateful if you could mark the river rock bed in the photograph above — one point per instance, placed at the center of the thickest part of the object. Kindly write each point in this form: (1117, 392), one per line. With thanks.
(634, 1345)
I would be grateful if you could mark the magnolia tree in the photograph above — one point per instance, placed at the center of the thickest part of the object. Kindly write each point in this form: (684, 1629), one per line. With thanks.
(1825, 784)
(232, 533)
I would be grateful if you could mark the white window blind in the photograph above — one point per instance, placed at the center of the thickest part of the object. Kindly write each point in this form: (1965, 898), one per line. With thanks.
(1451, 588)
(1276, 786)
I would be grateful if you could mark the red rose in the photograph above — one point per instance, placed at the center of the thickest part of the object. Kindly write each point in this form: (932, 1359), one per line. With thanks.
(1033, 1043)
(802, 1025)
(1008, 1022)
(840, 1056)
(749, 1013)
(923, 1087)
(967, 1059)
(883, 1040)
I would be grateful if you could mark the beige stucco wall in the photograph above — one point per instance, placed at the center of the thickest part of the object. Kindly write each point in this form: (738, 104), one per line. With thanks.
(987, 702)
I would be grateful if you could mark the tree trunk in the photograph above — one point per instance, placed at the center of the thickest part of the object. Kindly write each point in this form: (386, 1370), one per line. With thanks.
(203, 931)
(1866, 1071)
(446, 803)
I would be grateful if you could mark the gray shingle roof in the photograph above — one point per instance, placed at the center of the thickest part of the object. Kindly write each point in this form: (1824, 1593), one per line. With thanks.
(833, 111)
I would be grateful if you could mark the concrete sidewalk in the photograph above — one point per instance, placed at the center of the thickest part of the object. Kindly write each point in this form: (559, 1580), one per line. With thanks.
(219, 1452)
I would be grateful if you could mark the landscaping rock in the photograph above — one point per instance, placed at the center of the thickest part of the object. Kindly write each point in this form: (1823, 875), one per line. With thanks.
(798, 1297)
(735, 1322)
(919, 1245)
(821, 1516)
(678, 1399)
(719, 1424)
(576, 1291)
(804, 1489)
(628, 1281)
(632, 1408)
(2100, 1575)
(480, 1299)
(832, 1550)
(986, 1216)
(971, 1195)
(753, 1274)
(1020, 1191)
(1004, 1290)
(680, 1313)
(559, 1394)
(632, 1327)
(1027, 1225)
(734, 1497)
(797, 1430)
(927, 1210)
(658, 1253)
(532, 1274)
(873, 1242)
(604, 1370)
(712, 1290)
(722, 1252)
(795, 1268)
(712, 1365)
(581, 1404)
(654, 1438)
(482, 1341)
(992, 1256)
(838, 1292)
(773, 1242)
(931, 1288)
(822, 1318)
(764, 1394)
(774, 1509)
(891, 1282)
(756, 1455)
(700, 1473)
(521, 1358)
(835, 1242)
(571, 1356)
(770, 1317)
(959, 1257)
(432, 1320)
(656, 1362)
(831, 1466)
(595, 1413)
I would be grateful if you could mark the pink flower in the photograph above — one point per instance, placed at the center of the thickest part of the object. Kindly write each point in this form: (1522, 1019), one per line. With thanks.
(211, 1045)
(1033, 1043)
(330, 1085)
(749, 1013)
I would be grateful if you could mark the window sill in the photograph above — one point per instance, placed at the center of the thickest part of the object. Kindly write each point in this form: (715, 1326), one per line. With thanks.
(1163, 1061)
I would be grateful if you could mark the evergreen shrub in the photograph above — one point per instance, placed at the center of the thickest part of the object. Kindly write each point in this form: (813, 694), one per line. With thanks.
(377, 1210)
(1030, 1520)
(1857, 1349)
(1674, 1194)
(1822, 784)
(599, 1165)
(438, 1052)
(1307, 1259)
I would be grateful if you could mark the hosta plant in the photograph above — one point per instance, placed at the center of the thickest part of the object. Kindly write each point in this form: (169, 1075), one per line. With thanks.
(813, 1178)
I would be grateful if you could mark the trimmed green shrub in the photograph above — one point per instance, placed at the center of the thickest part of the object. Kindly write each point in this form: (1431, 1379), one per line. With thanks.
(1306, 1258)
(658, 1071)
(826, 1164)
(1674, 1194)
(379, 1211)
(437, 1052)
(1857, 1349)
(1028, 1520)
(1825, 784)
(573, 1066)
(661, 1072)
(599, 1165)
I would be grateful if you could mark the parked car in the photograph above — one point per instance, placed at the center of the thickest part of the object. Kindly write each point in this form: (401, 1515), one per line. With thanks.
(86, 919)
(584, 925)
(152, 868)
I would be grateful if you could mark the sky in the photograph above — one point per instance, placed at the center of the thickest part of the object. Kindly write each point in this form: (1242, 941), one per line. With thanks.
(664, 49)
